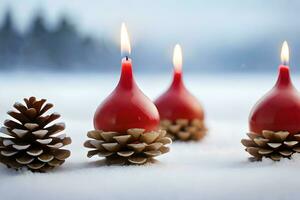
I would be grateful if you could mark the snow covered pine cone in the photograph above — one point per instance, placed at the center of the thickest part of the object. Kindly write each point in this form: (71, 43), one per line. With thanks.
(30, 141)
(273, 145)
(134, 147)
(183, 129)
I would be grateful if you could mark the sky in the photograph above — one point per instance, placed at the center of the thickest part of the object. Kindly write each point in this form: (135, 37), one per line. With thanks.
(200, 26)
(174, 20)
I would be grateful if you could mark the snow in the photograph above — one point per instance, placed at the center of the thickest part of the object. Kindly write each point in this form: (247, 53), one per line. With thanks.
(216, 168)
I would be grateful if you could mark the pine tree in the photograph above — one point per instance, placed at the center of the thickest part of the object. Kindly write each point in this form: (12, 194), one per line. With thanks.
(36, 45)
(65, 48)
(11, 42)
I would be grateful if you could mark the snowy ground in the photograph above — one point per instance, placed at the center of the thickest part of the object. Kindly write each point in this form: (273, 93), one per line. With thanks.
(216, 168)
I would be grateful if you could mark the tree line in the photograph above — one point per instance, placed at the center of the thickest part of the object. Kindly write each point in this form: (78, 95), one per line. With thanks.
(60, 48)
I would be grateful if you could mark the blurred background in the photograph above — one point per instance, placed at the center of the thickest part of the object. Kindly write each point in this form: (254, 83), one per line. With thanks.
(78, 35)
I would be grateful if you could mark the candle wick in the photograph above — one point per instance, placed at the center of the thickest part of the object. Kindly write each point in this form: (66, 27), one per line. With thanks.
(126, 57)
(286, 63)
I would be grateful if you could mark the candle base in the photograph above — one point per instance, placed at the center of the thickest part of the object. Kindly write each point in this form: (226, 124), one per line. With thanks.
(272, 145)
(184, 129)
(136, 146)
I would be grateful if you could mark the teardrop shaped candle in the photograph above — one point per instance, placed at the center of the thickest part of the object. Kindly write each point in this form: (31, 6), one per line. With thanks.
(279, 109)
(126, 107)
(177, 103)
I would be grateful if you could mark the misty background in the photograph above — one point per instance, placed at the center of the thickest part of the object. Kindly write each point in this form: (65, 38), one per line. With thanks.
(216, 36)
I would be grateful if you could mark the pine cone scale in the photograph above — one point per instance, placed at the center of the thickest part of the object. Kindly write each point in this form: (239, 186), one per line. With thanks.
(125, 153)
(108, 136)
(247, 142)
(10, 124)
(45, 158)
(137, 160)
(31, 126)
(286, 153)
(56, 162)
(153, 146)
(20, 107)
(137, 147)
(56, 145)
(44, 141)
(61, 154)
(56, 128)
(122, 139)
(30, 113)
(274, 145)
(18, 116)
(21, 147)
(24, 159)
(91, 153)
(164, 149)
(152, 153)
(47, 107)
(114, 147)
(105, 153)
(253, 151)
(265, 151)
(38, 104)
(261, 141)
(8, 153)
(290, 143)
(40, 133)
(297, 149)
(34, 152)
(36, 165)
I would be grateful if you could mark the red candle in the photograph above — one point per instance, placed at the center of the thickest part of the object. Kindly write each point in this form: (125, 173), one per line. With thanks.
(126, 107)
(279, 109)
(177, 102)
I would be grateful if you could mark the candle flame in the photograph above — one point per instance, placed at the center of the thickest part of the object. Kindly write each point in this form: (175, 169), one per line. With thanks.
(125, 42)
(177, 58)
(285, 54)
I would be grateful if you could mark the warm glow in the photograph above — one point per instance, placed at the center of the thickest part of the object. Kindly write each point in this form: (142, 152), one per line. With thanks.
(285, 54)
(125, 43)
(177, 58)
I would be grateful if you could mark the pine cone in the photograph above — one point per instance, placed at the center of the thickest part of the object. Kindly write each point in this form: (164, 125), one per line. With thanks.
(273, 145)
(30, 141)
(183, 129)
(134, 147)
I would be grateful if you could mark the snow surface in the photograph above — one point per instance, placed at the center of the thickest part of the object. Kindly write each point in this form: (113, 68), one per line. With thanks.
(216, 168)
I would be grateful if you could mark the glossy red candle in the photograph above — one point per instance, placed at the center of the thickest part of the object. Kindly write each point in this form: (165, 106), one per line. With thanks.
(279, 109)
(126, 107)
(178, 103)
